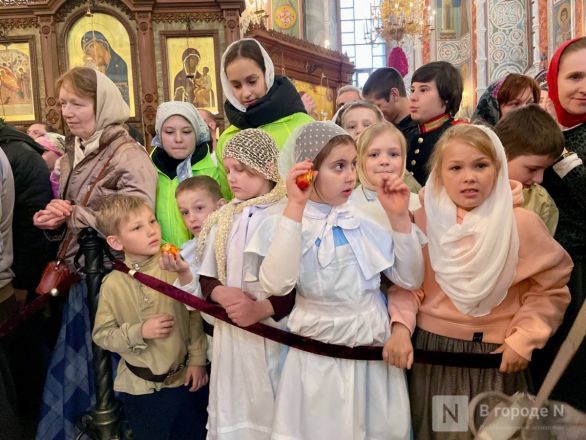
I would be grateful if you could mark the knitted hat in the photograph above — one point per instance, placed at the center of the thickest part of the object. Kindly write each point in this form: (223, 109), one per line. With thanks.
(255, 149)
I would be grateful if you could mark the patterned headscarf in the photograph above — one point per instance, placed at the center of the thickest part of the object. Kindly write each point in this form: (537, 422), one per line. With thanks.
(255, 149)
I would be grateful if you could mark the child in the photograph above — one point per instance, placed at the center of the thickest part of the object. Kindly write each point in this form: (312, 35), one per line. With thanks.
(495, 280)
(357, 116)
(162, 345)
(436, 93)
(529, 156)
(245, 367)
(381, 152)
(333, 257)
(256, 97)
(182, 149)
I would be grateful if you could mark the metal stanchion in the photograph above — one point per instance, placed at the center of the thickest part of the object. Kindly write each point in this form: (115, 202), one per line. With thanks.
(104, 416)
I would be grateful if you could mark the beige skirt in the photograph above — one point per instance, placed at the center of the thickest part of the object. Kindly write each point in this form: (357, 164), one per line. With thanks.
(445, 416)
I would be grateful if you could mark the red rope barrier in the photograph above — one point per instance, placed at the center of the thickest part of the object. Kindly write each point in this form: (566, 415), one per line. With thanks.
(23, 314)
(368, 353)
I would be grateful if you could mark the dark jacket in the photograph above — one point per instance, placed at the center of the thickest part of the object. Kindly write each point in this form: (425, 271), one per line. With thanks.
(32, 192)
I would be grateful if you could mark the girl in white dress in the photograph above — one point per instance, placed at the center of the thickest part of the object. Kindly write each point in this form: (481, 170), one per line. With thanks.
(382, 150)
(333, 257)
(244, 367)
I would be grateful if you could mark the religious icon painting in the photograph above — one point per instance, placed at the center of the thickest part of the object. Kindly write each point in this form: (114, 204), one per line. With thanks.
(561, 18)
(18, 101)
(101, 41)
(190, 68)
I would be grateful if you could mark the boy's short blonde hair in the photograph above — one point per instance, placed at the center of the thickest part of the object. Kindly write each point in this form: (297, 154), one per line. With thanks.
(115, 210)
(367, 137)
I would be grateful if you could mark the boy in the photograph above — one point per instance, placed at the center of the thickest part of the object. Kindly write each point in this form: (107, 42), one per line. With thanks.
(436, 93)
(161, 343)
(533, 142)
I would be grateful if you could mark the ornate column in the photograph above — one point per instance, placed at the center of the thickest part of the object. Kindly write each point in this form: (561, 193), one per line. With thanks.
(231, 25)
(481, 48)
(50, 68)
(148, 79)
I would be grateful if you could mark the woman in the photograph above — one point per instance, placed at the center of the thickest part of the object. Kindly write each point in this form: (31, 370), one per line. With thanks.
(182, 150)
(505, 95)
(93, 110)
(565, 182)
(256, 97)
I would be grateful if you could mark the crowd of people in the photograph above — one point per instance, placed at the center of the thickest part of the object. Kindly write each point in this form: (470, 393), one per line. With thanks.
(395, 225)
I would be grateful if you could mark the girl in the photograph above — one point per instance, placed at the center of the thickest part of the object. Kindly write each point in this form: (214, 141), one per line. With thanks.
(495, 280)
(245, 367)
(381, 151)
(333, 257)
(357, 116)
(256, 97)
(182, 150)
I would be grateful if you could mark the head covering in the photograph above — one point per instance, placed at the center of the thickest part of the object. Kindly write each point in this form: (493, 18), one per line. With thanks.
(488, 110)
(91, 36)
(188, 53)
(564, 118)
(110, 105)
(227, 87)
(306, 142)
(187, 111)
(474, 261)
(54, 142)
(255, 149)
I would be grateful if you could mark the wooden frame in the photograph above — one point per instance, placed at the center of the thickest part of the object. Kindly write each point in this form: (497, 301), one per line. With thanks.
(19, 97)
(200, 86)
(106, 41)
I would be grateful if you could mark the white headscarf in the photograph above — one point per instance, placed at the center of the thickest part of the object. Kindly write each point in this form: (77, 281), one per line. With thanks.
(474, 261)
(186, 110)
(227, 87)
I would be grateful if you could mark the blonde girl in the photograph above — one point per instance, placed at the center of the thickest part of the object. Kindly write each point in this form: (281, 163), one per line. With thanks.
(495, 280)
(321, 246)
(357, 116)
(245, 367)
(382, 150)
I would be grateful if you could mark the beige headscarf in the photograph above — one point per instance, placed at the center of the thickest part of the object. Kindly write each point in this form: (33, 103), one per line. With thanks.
(110, 109)
(474, 261)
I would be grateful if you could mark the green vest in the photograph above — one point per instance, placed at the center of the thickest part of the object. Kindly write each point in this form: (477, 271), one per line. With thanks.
(280, 130)
(173, 228)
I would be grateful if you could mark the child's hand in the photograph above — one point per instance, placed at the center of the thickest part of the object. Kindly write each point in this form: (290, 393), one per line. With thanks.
(294, 192)
(173, 263)
(398, 350)
(512, 362)
(225, 296)
(197, 375)
(158, 326)
(246, 311)
(393, 195)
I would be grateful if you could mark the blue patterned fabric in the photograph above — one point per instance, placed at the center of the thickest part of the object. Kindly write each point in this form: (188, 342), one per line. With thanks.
(69, 386)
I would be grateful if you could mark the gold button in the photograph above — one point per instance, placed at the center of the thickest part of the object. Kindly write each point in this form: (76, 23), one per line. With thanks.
(416, 151)
(413, 162)
(420, 140)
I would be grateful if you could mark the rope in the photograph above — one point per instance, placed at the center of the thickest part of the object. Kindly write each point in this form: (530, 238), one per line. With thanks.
(366, 353)
(23, 314)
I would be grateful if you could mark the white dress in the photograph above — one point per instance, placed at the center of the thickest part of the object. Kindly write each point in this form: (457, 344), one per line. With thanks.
(338, 301)
(244, 367)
